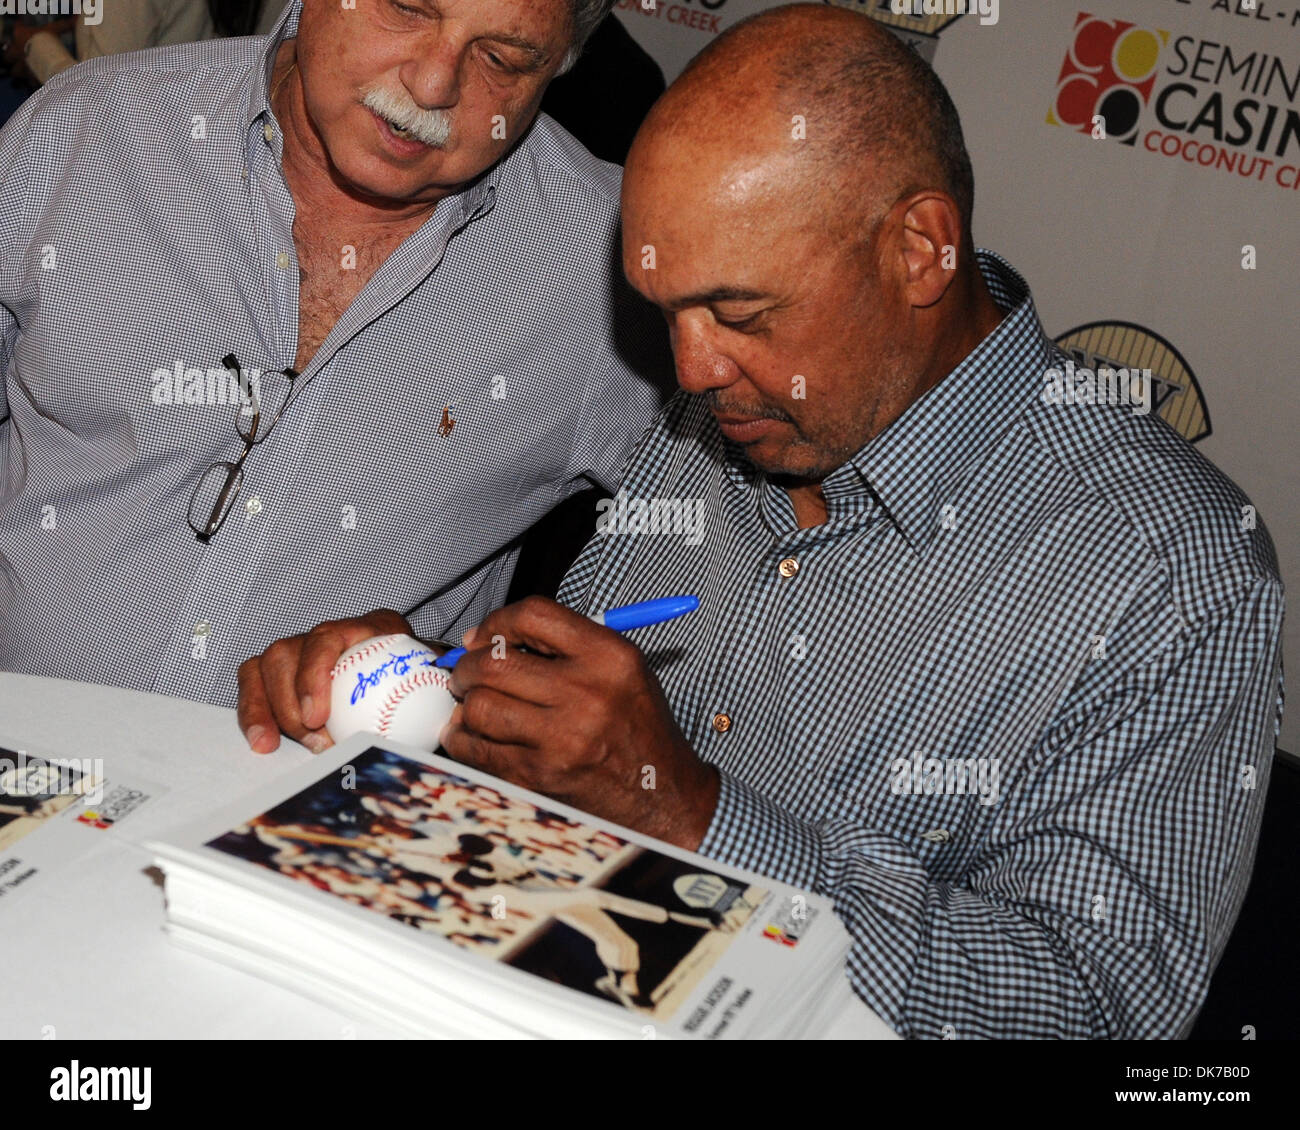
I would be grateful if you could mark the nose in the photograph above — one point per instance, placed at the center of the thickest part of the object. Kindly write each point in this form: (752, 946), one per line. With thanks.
(701, 365)
(432, 74)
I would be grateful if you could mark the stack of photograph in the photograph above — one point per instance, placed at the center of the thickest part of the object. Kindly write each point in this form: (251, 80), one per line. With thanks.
(428, 898)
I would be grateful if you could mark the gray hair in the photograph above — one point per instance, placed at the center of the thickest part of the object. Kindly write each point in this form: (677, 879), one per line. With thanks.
(587, 16)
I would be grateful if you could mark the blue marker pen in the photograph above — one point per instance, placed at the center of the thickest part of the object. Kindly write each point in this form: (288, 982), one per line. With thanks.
(623, 619)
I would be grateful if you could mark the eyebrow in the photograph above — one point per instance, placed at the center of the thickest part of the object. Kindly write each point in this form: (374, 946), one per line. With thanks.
(717, 294)
(535, 53)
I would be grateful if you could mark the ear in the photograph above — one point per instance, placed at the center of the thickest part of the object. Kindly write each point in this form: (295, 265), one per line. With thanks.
(932, 243)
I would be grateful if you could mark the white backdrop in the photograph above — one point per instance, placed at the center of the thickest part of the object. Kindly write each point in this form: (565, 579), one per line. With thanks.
(1134, 254)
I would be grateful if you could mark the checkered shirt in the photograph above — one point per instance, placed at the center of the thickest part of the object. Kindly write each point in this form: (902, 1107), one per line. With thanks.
(1066, 595)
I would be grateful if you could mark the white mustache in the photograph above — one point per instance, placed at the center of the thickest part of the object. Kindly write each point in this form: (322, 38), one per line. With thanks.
(433, 127)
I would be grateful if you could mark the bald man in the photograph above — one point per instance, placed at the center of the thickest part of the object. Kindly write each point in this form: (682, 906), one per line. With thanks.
(955, 665)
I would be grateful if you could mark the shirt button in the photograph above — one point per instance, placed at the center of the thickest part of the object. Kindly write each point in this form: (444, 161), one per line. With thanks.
(202, 628)
(282, 260)
(253, 505)
(722, 723)
(268, 131)
(788, 568)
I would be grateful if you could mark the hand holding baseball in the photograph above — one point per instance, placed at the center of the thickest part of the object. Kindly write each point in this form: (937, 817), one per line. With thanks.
(287, 688)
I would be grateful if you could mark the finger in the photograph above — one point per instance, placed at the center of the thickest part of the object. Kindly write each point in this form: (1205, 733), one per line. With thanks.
(505, 761)
(540, 624)
(254, 711)
(529, 678)
(503, 720)
(321, 649)
(279, 674)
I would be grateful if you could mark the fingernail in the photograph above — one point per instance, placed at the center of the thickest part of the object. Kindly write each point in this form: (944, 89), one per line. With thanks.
(254, 735)
(306, 706)
(314, 742)
(467, 640)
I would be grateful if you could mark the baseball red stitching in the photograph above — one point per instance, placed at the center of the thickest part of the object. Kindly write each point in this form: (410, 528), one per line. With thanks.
(345, 665)
(425, 678)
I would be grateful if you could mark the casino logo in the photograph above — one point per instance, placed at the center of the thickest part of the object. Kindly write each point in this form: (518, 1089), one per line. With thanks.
(1108, 73)
(1206, 102)
(119, 803)
(1175, 395)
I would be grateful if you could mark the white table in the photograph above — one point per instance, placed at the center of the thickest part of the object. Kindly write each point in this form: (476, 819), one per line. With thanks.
(86, 956)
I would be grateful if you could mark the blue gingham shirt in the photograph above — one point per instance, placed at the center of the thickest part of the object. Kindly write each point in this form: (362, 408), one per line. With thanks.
(1068, 592)
(128, 244)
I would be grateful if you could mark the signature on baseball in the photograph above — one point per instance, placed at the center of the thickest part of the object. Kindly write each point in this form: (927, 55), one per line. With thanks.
(397, 664)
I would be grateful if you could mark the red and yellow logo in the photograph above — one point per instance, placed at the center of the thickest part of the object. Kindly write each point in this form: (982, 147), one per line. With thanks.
(1108, 74)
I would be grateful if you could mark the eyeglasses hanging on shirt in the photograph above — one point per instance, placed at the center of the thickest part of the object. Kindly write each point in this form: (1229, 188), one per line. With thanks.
(260, 404)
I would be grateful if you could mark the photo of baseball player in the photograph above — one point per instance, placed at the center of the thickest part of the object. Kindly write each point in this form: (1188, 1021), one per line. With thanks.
(27, 800)
(499, 876)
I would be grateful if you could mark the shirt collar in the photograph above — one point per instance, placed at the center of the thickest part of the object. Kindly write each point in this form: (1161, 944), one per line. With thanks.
(476, 198)
(259, 79)
(914, 463)
(908, 469)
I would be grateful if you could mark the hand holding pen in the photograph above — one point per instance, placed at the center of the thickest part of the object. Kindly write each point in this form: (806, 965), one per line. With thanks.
(573, 711)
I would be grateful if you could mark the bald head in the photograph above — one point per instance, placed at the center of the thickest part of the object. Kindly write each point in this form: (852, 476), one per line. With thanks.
(854, 116)
(798, 205)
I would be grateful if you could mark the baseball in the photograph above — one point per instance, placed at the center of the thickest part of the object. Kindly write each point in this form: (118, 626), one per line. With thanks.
(389, 686)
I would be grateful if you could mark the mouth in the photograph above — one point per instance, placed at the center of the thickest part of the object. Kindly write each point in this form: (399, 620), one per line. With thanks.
(746, 429)
(402, 141)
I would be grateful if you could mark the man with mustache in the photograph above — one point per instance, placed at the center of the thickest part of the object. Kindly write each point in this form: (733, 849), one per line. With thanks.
(295, 325)
(913, 558)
